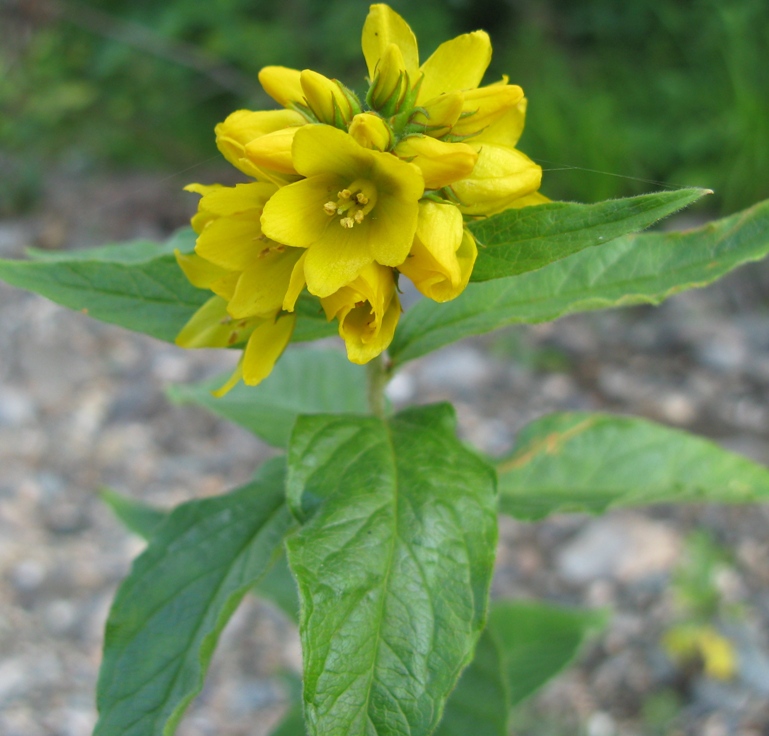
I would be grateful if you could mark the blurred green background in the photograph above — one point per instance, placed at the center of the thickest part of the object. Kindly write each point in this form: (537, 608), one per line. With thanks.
(671, 92)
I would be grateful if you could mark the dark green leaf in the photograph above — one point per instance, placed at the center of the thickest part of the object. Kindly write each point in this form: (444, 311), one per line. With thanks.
(169, 612)
(306, 382)
(537, 641)
(521, 240)
(393, 562)
(589, 462)
(635, 269)
(480, 703)
(277, 585)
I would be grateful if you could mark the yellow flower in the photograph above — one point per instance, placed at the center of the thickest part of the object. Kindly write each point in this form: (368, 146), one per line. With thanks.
(265, 339)
(244, 127)
(355, 207)
(367, 310)
(443, 253)
(250, 275)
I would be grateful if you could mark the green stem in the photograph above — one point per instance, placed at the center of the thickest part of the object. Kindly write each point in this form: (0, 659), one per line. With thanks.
(378, 376)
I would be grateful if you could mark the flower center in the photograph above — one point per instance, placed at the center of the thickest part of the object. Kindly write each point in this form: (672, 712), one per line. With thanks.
(354, 202)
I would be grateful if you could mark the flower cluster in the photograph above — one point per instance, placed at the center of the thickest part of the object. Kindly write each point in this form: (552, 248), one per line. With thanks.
(348, 195)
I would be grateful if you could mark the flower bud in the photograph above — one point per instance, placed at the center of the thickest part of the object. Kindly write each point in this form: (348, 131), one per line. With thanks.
(371, 131)
(327, 99)
(389, 83)
(439, 114)
(282, 84)
(501, 175)
(441, 163)
(484, 106)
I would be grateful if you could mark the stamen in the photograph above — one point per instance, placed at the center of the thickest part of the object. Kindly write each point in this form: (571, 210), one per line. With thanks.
(330, 208)
(344, 194)
(362, 198)
(358, 216)
(347, 222)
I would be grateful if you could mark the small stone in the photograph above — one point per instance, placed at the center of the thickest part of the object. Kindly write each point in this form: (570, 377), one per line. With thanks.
(627, 548)
(28, 575)
(601, 724)
(402, 388)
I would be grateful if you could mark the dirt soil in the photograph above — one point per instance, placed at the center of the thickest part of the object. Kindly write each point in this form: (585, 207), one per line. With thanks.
(82, 406)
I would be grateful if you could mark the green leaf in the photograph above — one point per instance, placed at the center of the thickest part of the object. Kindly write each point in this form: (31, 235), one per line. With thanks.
(140, 518)
(153, 297)
(306, 382)
(133, 251)
(590, 462)
(277, 584)
(393, 561)
(521, 240)
(635, 269)
(170, 610)
(536, 641)
(136, 285)
(480, 703)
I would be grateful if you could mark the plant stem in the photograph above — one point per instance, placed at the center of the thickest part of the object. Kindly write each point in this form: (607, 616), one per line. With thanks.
(378, 376)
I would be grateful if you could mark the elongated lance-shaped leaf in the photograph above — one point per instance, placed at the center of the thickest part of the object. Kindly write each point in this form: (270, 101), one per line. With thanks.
(521, 240)
(635, 269)
(170, 610)
(308, 382)
(536, 641)
(276, 585)
(393, 562)
(136, 285)
(590, 462)
(480, 703)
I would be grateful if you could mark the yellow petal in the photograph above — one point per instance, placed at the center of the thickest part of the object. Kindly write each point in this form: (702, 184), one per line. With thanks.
(265, 346)
(486, 105)
(458, 64)
(441, 162)
(262, 286)
(392, 230)
(324, 97)
(501, 175)
(282, 84)
(370, 131)
(222, 201)
(273, 151)
(296, 283)
(231, 382)
(295, 215)
(322, 149)
(212, 327)
(199, 271)
(384, 26)
(440, 113)
(505, 130)
(530, 200)
(337, 258)
(231, 242)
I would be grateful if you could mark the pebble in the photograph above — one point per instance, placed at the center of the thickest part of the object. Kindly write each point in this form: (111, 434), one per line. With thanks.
(627, 548)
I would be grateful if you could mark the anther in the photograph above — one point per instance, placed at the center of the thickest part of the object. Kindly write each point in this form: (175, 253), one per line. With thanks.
(345, 194)
(347, 222)
(358, 216)
(362, 198)
(330, 208)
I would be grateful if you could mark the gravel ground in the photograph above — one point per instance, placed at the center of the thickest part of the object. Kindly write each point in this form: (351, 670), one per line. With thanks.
(82, 407)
